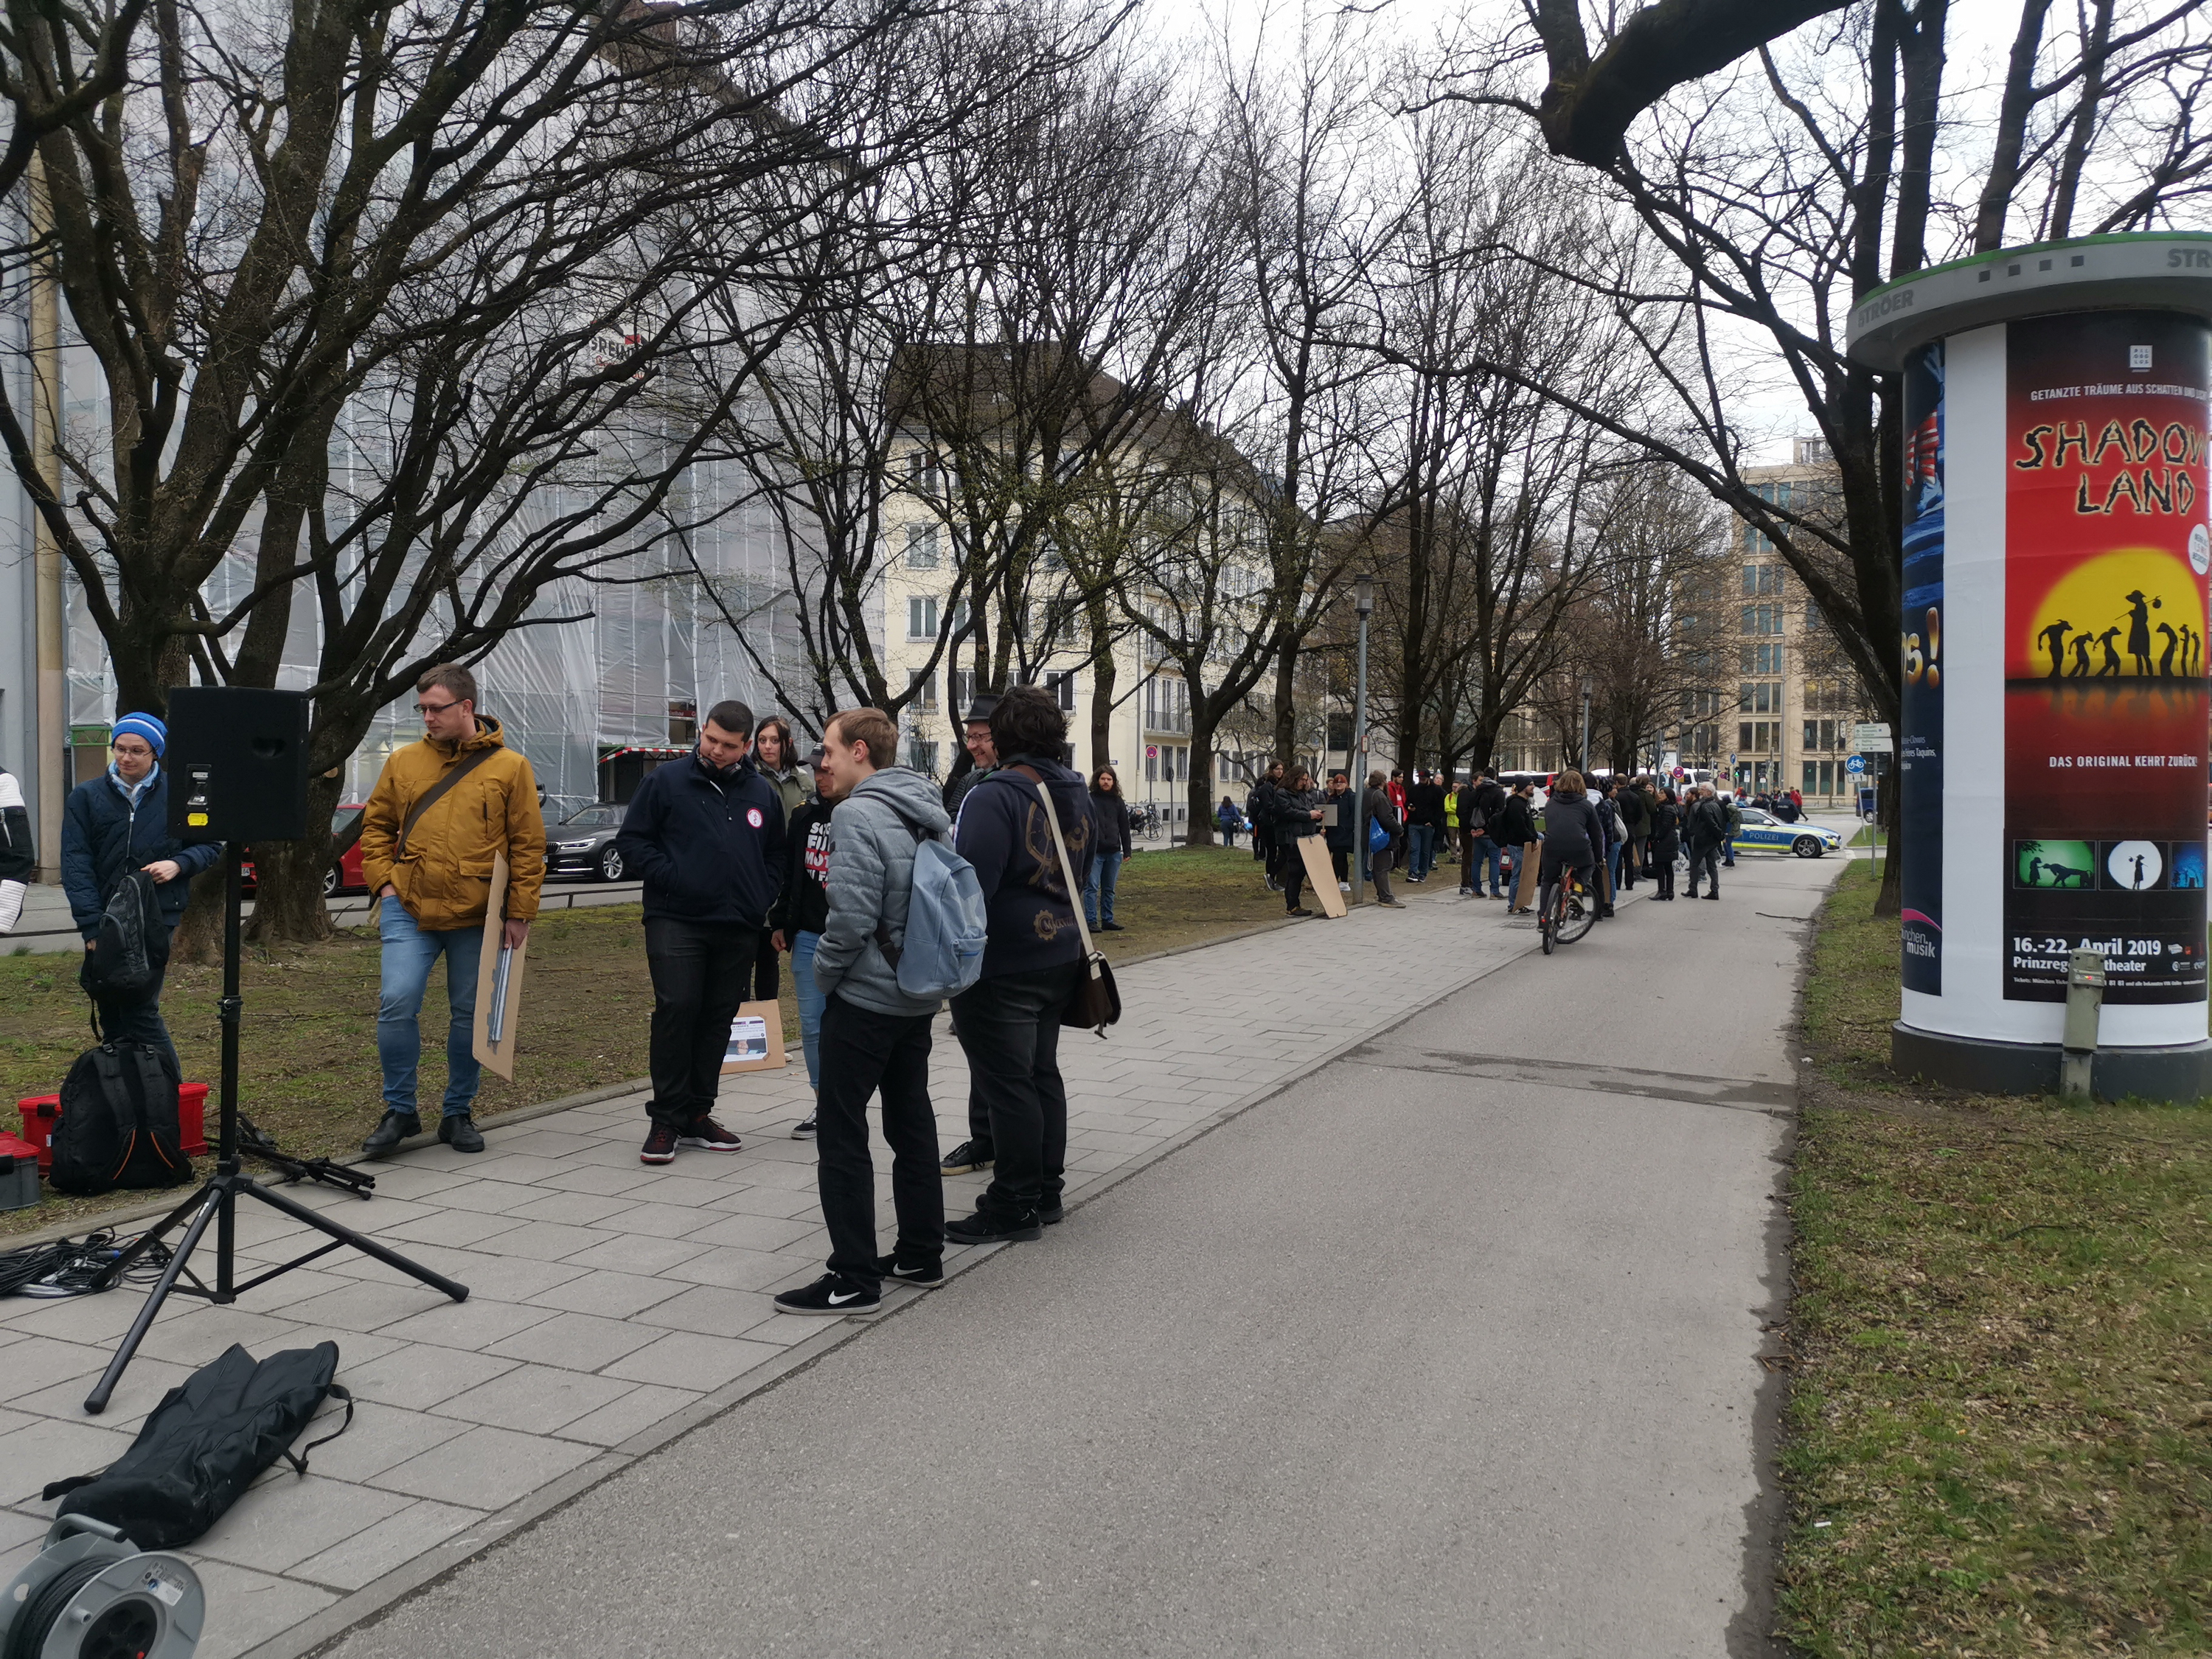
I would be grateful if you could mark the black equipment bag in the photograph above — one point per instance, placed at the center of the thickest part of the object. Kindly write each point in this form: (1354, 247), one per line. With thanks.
(205, 1442)
(123, 962)
(118, 1122)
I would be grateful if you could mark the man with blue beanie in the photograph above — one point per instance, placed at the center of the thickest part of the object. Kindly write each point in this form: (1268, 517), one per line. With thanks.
(111, 826)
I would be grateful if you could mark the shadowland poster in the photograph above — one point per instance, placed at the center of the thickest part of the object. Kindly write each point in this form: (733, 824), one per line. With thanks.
(2106, 560)
(1920, 737)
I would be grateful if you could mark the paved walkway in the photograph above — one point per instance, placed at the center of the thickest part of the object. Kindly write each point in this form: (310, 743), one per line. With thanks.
(614, 1306)
(1450, 1348)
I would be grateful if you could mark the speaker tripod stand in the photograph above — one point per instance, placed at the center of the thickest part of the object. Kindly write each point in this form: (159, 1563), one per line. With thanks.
(217, 1202)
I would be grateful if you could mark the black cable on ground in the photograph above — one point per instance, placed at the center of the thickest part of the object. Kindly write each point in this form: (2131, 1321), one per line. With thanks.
(68, 1266)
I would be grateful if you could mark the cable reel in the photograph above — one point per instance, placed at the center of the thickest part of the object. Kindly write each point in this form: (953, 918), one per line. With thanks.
(92, 1594)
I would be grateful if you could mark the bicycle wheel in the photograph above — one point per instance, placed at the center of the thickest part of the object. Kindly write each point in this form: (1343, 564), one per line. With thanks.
(1578, 911)
(1545, 926)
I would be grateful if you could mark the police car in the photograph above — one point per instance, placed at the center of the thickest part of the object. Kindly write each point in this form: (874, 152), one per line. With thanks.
(1763, 832)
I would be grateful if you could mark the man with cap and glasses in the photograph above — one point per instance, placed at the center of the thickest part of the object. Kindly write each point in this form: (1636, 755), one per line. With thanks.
(112, 825)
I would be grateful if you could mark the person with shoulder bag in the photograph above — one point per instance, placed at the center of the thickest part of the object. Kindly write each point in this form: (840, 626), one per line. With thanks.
(443, 809)
(118, 855)
(1382, 813)
(1034, 961)
(876, 1035)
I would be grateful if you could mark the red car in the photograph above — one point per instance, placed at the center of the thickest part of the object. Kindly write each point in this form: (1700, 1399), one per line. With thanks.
(344, 876)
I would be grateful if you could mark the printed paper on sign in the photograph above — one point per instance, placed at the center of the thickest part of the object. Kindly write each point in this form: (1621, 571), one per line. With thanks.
(2105, 668)
(756, 1041)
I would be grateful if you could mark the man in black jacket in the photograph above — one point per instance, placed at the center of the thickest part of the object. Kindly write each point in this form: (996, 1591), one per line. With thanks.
(1424, 824)
(1705, 827)
(707, 834)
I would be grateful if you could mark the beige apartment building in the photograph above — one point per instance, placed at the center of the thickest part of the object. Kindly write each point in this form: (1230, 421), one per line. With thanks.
(1798, 698)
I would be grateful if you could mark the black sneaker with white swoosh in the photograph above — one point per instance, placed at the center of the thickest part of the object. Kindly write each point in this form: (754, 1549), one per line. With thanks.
(924, 1272)
(832, 1294)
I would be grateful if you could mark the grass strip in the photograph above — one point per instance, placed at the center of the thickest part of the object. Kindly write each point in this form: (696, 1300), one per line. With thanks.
(1999, 1440)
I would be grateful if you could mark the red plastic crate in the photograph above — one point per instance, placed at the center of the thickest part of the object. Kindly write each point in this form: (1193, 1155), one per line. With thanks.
(41, 1112)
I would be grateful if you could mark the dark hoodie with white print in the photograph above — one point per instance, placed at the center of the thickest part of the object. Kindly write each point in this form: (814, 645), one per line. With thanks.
(803, 907)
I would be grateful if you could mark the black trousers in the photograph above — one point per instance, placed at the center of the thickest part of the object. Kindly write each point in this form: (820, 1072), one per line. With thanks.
(1290, 871)
(1663, 867)
(1010, 1027)
(765, 982)
(863, 1052)
(1340, 859)
(699, 973)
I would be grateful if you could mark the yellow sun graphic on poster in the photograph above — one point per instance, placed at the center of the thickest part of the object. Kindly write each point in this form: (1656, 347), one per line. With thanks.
(2131, 614)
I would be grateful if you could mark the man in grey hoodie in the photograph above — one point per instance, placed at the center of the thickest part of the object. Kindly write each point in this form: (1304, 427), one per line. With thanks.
(874, 1036)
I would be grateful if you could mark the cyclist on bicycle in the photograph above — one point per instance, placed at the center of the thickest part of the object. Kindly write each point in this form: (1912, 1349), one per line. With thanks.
(1572, 838)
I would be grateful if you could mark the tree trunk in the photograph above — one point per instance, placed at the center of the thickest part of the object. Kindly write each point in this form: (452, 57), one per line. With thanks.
(1102, 680)
(1889, 901)
(1198, 785)
(288, 900)
(198, 938)
(1286, 708)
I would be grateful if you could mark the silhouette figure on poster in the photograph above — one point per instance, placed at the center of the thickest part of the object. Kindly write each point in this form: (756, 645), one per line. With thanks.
(2139, 632)
(2112, 668)
(2081, 643)
(2165, 657)
(2136, 883)
(2035, 872)
(2061, 873)
(2054, 642)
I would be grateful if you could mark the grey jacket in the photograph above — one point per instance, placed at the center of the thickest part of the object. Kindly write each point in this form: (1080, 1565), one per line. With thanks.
(871, 873)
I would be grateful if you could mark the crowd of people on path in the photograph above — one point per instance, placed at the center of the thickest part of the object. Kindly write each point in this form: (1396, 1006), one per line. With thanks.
(735, 843)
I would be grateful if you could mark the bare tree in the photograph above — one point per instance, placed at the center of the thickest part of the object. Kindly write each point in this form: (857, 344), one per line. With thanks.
(409, 311)
(1795, 172)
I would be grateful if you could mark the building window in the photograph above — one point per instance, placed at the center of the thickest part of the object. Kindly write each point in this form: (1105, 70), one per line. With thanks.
(1167, 705)
(921, 755)
(921, 547)
(1062, 687)
(683, 722)
(923, 473)
(962, 681)
(1762, 619)
(921, 618)
(926, 686)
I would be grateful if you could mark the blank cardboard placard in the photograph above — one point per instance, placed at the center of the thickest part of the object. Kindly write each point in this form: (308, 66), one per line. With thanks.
(756, 1039)
(499, 1056)
(1320, 875)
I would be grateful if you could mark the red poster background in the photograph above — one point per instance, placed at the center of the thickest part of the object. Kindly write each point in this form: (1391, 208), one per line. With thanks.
(2104, 659)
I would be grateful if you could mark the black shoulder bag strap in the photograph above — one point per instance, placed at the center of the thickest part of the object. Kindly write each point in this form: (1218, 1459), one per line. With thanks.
(436, 793)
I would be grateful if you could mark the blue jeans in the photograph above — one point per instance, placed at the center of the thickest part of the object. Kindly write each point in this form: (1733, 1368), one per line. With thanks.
(1613, 865)
(409, 952)
(1486, 856)
(1098, 894)
(810, 1003)
(1421, 849)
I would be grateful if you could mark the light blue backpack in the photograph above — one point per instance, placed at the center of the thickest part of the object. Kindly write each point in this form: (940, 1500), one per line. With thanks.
(942, 954)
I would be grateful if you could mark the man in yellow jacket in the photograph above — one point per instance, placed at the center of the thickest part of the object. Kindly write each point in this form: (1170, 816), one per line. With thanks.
(443, 808)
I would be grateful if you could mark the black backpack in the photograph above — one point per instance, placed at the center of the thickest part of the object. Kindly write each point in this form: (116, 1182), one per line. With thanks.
(204, 1443)
(120, 964)
(118, 1122)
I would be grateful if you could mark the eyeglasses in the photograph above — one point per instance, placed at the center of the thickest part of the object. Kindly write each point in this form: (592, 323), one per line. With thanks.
(131, 748)
(436, 707)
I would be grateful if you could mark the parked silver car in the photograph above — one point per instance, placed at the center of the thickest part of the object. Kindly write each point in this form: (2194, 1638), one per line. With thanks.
(583, 844)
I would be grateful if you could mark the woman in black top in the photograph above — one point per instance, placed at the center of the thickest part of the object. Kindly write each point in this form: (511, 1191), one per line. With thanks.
(1110, 813)
(1666, 842)
(1296, 814)
(801, 912)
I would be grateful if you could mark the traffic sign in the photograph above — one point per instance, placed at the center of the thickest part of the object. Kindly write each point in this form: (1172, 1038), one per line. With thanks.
(1856, 763)
(1151, 751)
(1871, 737)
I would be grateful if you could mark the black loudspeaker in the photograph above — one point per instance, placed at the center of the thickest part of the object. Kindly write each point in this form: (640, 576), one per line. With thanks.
(237, 763)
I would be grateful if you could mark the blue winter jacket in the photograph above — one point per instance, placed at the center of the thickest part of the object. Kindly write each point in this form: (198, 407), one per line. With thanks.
(709, 844)
(104, 835)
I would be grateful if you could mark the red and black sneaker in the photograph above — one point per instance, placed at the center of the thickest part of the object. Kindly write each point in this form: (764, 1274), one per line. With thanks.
(704, 1133)
(659, 1145)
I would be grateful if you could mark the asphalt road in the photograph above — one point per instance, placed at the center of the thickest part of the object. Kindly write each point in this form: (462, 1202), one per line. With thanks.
(1449, 1349)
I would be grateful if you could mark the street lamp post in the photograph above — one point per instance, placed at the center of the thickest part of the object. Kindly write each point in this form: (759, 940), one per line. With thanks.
(1584, 751)
(1363, 599)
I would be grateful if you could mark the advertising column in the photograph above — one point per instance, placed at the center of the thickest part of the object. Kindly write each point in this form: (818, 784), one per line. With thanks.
(2105, 727)
(1920, 737)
